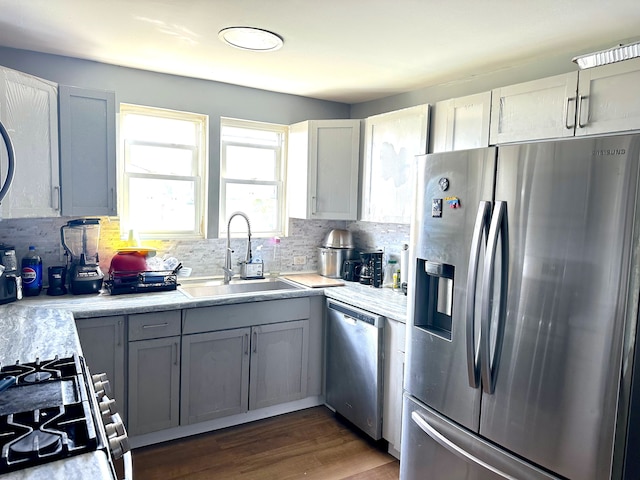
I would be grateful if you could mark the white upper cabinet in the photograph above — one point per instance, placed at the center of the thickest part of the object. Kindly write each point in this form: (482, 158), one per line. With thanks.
(461, 123)
(534, 110)
(392, 140)
(29, 111)
(322, 169)
(592, 101)
(607, 98)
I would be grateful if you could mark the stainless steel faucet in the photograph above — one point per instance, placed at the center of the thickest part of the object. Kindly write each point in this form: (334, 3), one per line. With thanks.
(228, 270)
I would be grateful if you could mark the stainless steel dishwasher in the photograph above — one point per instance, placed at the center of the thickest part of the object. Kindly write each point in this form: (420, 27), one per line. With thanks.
(355, 366)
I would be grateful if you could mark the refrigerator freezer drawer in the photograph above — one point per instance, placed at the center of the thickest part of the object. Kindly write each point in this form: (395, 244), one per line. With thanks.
(435, 448)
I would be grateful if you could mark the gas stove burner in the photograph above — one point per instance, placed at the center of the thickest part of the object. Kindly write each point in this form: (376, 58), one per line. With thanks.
(42, 371)
(36, 377)
(39, 442)
(48, 414)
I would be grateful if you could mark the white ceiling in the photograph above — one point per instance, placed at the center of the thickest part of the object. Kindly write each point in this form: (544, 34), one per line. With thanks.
(343, 50)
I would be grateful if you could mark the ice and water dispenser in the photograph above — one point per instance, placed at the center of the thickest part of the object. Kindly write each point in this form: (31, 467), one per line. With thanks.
(434, 297)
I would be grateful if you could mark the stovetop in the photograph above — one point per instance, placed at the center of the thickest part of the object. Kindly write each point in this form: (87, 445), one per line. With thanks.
(47, 415)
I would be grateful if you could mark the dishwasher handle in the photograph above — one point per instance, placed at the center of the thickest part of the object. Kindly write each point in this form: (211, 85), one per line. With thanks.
(359, 315)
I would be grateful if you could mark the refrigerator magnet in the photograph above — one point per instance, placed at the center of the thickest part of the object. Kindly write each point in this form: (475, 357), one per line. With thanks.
(436, 208)
(453, 202)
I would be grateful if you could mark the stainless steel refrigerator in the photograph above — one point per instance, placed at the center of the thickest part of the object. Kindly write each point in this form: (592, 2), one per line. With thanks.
(523, 303)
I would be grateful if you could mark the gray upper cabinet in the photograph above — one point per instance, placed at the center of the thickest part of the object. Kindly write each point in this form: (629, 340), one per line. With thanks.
(592, 101)
(29, 111)
(322, 169)
(460, 123)
(392, 140)
(87, 151)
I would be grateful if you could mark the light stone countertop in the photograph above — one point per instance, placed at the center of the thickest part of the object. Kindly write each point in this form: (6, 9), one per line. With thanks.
(382, 301)
(27, 333)
(44, 326)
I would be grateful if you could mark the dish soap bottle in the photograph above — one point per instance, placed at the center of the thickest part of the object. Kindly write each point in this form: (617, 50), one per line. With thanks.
(31, 273)
(389, 272)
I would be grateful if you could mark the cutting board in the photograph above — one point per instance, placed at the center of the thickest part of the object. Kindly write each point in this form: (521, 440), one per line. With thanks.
(314, 280)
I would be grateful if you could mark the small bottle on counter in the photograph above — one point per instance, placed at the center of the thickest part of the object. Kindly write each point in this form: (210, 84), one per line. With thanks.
(31, 273)
(396, 279)
(276, 260)
(389, 273)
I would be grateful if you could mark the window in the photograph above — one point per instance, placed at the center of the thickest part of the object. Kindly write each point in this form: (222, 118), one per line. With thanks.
(251, 176)
(164, 172)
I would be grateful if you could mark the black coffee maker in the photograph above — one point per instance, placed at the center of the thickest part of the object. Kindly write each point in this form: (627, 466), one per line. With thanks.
(351, 270)
(371, 272)
(10, 279)
(57, 280)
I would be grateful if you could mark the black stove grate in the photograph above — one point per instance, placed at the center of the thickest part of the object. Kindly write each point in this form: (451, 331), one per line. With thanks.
(47, 415)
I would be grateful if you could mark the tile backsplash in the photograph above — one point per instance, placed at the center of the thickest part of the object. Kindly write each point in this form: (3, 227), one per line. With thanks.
(205, 257)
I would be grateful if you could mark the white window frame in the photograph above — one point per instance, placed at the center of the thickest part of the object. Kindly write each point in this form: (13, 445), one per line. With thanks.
(199, 174)
(279, 182)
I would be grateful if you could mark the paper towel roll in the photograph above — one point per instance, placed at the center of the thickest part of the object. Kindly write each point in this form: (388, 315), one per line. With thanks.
(404, 263)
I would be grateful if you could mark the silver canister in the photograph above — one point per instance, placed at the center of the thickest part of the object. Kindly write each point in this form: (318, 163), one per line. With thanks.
(331, 260)
(336, 248)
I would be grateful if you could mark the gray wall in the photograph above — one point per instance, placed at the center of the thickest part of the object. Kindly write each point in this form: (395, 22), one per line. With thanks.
(178, 93)
(555, 63)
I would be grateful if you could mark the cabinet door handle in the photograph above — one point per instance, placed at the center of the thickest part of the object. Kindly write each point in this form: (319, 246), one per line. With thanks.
(55, 200)
(314, 205)
(580, 110)
(245, 342)
(571, 125)
(175, 353)
(255, 341)
(112, 207)
(120, 332)
(155, 325)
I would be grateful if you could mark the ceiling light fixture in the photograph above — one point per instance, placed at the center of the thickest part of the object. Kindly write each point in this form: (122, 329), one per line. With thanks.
(250, 38)
(612, 55)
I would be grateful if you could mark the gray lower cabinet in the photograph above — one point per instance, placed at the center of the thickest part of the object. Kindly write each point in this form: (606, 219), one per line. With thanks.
(227, 370)
(103, 347)
(231, 371)
(279, 362)
(196, 365)
(215, 374)
(154, 383)
(154, 372)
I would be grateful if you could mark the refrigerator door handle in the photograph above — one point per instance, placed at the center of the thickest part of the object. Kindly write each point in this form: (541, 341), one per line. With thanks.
(480, 232)
(443, 441)
(490, 360)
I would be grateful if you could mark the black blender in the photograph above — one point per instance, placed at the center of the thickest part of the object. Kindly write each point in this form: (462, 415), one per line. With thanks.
(80, 241)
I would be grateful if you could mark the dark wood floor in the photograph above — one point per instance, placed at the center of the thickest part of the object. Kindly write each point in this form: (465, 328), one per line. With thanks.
(311, 444)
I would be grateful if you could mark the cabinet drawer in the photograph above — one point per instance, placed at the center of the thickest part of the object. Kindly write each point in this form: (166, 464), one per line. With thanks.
(224, 317)
(154, 325)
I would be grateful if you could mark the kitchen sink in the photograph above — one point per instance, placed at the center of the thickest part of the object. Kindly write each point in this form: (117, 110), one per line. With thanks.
(213, 288)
